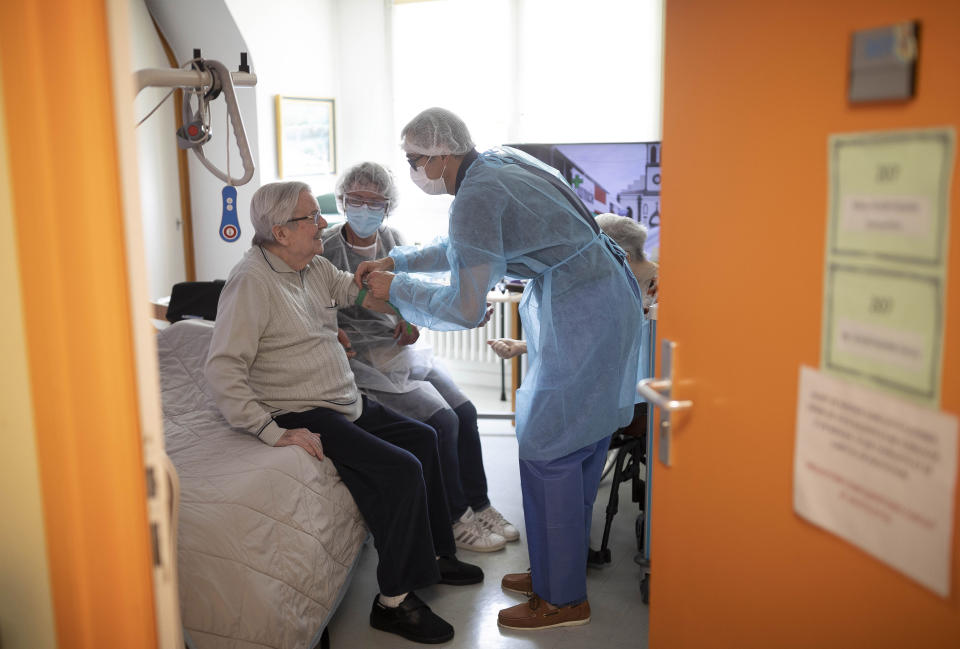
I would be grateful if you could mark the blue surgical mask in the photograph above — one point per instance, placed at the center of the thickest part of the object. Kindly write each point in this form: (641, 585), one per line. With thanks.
(363, 220)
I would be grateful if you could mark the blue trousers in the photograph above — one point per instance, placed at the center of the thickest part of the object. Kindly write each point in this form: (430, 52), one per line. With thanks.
(558, 498)
(391, 466)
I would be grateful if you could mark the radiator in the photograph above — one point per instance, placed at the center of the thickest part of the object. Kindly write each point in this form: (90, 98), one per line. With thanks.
(467, 356)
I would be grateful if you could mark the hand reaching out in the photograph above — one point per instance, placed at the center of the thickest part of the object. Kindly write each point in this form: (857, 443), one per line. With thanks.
(366, 267)
(507, 347)
(378, 283)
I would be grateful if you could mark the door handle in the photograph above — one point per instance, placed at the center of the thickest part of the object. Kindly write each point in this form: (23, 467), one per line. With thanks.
(651, 391)
(657, 392)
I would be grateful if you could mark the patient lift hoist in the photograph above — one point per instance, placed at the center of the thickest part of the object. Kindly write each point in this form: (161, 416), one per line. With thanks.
(205, 81)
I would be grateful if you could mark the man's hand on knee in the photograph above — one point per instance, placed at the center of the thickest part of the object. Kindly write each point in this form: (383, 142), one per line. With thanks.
(310, 442)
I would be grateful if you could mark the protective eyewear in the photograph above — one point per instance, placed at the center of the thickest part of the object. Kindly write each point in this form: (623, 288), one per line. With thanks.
(315, 217)
(414, 160)
(375, 204)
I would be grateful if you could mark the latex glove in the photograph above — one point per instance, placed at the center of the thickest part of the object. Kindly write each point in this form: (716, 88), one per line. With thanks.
(507, 347)
(365, 267)
(304, 439)
(378, 283)
(405, 333)
(345, 341)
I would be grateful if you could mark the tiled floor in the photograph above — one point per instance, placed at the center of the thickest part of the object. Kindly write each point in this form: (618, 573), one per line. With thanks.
(619, 617)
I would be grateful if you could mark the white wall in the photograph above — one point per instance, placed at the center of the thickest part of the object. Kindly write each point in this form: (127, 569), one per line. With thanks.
(458, 54)
(208, 25)
(327, 49)
(305, 48)
(156, 162)
(365, 71)
(294, 46)
(590, 71)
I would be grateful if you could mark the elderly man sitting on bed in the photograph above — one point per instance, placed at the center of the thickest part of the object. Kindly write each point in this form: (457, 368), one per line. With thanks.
(279, 372)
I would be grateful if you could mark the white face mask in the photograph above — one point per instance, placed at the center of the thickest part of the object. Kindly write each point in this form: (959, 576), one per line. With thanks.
(432, 186)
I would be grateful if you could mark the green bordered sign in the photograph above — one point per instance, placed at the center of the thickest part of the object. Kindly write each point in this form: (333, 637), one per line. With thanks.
(886, 266)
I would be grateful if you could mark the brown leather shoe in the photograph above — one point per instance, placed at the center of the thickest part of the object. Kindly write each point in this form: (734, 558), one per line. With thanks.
(518, 582)
(539, 614)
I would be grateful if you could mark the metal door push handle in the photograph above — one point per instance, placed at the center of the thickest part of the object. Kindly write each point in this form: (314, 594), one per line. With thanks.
(650, 389)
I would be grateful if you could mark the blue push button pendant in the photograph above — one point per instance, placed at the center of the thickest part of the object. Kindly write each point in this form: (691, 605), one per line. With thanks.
(229, 225)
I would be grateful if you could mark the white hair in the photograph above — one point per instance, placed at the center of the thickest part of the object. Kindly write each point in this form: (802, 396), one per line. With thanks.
(273, 204)
(629, 235)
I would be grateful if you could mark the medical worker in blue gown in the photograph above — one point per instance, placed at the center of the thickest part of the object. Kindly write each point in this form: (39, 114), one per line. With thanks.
(514, 216)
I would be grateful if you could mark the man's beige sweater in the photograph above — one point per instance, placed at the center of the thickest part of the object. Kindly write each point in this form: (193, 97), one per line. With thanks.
(274, 346)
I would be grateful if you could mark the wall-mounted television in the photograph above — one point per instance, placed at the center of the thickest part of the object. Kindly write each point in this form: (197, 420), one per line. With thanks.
(622, 177)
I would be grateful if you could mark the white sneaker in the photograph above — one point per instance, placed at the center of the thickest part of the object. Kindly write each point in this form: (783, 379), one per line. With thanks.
(494, 521)
(471, 535)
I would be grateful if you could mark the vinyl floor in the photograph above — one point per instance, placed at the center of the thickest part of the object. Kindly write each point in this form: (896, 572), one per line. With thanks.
(619, 618)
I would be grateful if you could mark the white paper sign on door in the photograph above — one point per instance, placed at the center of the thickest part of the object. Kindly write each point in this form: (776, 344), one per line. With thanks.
(879, 472)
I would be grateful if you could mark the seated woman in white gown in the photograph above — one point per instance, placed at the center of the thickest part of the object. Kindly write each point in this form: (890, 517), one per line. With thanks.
(395, 371)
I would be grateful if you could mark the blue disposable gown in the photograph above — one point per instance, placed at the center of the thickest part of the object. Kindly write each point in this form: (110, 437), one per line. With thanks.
(581, 311)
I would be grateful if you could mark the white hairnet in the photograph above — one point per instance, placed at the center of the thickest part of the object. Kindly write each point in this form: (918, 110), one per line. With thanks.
(436, 131)
(367, 176)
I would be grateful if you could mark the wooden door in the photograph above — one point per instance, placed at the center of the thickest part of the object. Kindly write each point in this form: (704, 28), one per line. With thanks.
(59, 121)
(752, 90)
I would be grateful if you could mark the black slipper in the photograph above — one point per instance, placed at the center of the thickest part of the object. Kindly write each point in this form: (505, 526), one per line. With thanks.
(457, 573)
(412, 620)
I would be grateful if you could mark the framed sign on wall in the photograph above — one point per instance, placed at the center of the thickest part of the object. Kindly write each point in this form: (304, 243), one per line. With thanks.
(306, 136)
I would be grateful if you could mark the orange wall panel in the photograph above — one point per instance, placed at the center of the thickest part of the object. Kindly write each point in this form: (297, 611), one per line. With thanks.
(67, 213)
(752, 90)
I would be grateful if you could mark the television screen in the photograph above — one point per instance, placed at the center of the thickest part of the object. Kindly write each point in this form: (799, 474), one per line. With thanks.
(622, 178)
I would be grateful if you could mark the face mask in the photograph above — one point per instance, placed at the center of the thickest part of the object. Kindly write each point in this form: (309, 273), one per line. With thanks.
(363, 220)
(432, 186)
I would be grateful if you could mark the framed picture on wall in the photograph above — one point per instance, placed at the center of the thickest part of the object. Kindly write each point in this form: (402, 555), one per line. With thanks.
(306, 136)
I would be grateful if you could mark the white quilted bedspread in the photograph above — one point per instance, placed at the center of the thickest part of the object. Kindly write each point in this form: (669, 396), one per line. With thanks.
(267, 536)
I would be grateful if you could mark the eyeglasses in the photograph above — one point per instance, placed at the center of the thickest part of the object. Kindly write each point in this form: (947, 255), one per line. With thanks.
(372, 203)
(414, 160)
(315, 217)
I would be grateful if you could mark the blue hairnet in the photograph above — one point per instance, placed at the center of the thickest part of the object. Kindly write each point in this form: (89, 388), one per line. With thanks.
(436, 131)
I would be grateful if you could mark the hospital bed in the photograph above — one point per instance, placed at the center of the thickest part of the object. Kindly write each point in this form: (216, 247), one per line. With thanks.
(268, 537)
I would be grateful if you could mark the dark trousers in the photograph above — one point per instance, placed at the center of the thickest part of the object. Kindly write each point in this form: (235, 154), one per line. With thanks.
(391, 467)
(461, 458)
